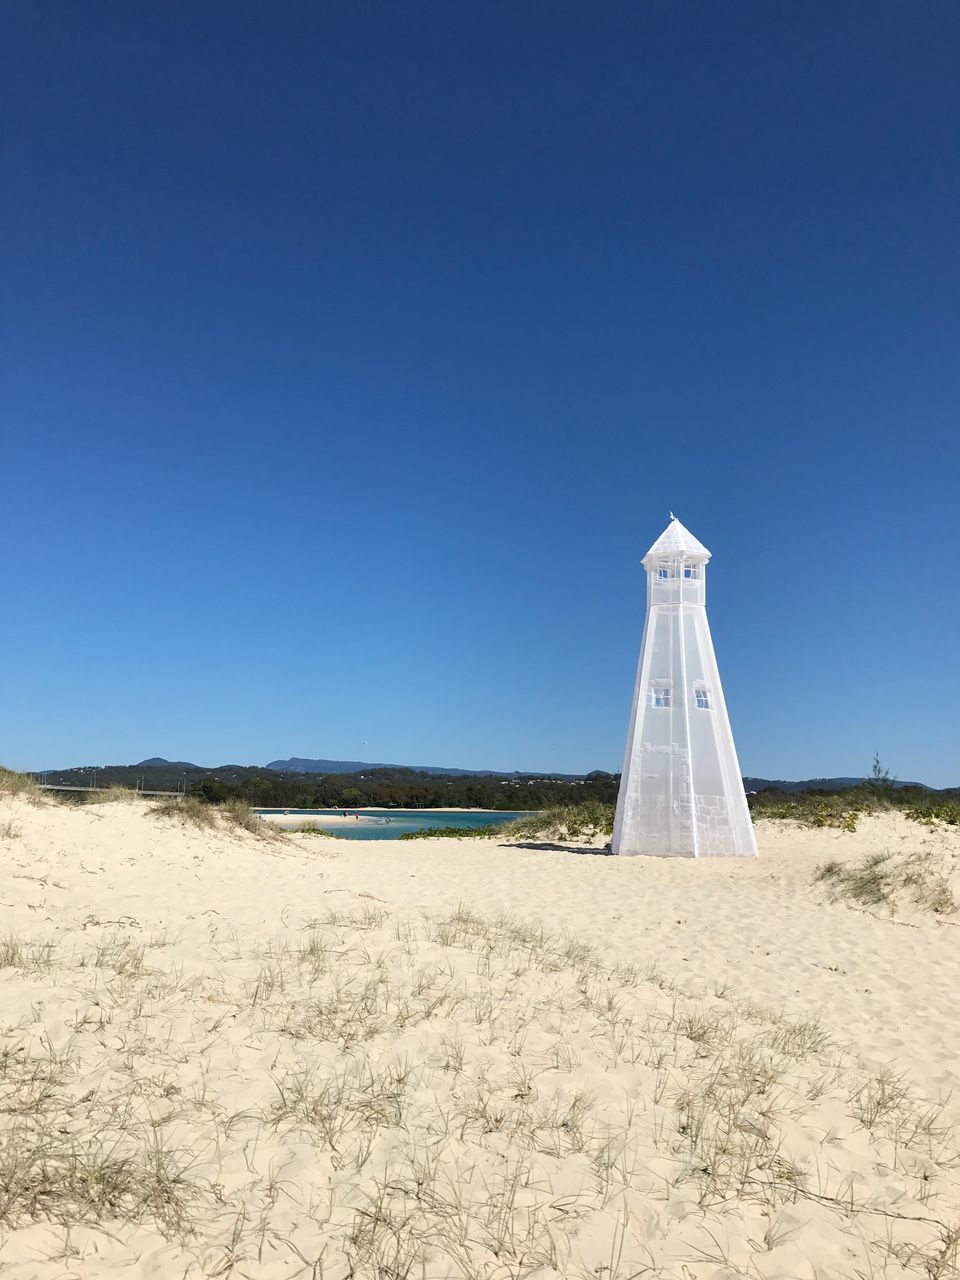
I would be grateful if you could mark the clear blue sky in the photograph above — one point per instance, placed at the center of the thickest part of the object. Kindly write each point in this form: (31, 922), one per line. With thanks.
(353, 355)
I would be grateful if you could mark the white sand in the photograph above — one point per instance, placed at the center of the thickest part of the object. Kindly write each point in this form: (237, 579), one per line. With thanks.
(367, 1093)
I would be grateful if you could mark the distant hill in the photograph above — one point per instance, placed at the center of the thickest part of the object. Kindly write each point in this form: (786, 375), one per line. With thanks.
(158, 762)
(160, 774)
(817, 784)
(297, 764)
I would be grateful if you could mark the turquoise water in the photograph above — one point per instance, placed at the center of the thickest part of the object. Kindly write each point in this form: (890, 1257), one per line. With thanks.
(389, 824)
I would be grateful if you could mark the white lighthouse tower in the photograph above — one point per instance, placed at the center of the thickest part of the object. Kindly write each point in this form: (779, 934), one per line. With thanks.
(681, 792)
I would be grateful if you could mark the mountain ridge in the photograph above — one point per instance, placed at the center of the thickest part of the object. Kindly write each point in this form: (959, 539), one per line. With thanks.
(306, 767)
(301, 764)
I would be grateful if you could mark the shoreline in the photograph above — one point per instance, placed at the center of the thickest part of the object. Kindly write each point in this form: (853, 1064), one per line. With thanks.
(293, 820)
(266, 810)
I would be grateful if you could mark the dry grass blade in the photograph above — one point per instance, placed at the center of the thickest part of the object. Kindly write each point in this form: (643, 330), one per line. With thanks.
(889, 881)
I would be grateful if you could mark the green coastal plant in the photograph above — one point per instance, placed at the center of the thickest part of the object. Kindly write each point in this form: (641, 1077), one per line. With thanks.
(935, 810)
(565, 822)
(311, 829)
(454, 833)
(881, 781)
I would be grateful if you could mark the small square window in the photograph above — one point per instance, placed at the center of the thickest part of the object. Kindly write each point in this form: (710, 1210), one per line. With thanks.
(703, 699)
(665, 572)
(662, 696)
(691, 572)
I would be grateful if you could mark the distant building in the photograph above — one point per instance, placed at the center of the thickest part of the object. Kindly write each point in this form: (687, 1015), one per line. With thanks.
(681, 792)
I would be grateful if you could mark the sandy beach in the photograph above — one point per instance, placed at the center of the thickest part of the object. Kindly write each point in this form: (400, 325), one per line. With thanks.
(229, 1055)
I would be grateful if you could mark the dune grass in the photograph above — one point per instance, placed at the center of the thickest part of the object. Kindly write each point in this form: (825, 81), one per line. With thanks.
(564, 822)
(187, 810)
(113, 794)
(233, 814)
(892, 881)
(23, 785)
(432, 1076)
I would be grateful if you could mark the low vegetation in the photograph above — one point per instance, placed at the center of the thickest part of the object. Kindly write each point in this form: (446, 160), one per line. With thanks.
(457, 1096)
(877, 793)
(234, 814)
(891, 882)
(454, 833)
(188, 810)
(113, 794)
(936, 810)
(842, 810)
(23, 785)
(566, 822)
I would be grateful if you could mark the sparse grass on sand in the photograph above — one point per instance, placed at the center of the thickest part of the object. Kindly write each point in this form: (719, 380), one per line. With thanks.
(462, 1096)
(188, 810)
(233, 814)
(891, 881)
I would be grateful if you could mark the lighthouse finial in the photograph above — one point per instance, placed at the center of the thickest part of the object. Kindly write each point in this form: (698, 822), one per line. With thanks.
(672, 516)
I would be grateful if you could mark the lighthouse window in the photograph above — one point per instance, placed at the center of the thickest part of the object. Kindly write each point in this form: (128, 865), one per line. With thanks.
(665, 572)
(691, 572)
(703, 699)
(661, 696)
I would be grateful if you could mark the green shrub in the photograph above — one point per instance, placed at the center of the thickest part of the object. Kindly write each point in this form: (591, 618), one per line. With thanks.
(453, 833)
(840, 810)
(936, 810)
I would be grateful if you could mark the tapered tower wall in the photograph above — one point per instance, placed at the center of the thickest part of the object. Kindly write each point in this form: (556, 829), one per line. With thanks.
(681, 792)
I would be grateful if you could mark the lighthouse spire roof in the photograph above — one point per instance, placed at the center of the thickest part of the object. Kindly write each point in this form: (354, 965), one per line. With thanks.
(676, 541)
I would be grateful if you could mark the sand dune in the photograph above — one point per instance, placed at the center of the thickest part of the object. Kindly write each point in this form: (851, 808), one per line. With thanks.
(222, 1055)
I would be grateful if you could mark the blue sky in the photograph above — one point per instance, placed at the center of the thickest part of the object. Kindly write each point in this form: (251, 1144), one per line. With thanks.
(353, 355)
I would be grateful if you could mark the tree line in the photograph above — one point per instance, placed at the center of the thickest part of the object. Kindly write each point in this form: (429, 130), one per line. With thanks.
(378, 788)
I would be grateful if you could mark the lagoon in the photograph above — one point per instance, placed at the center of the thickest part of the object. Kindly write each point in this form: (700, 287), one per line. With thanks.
(390, 824)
